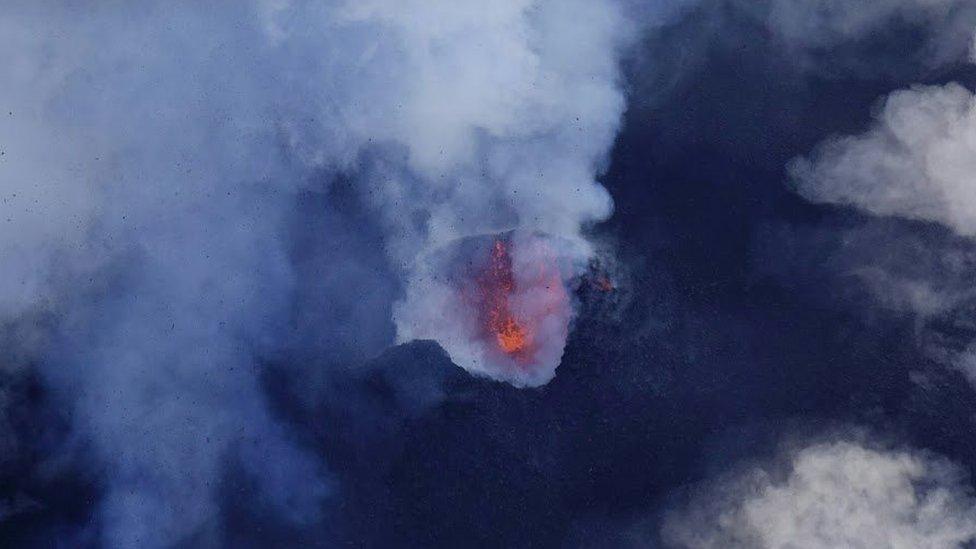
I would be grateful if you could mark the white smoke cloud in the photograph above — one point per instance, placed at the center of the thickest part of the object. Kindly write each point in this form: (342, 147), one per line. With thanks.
(479, 117)
(836, 494)
(471, 119)
(507, 115)
(918, 161)
(139, 160)
(150, 159)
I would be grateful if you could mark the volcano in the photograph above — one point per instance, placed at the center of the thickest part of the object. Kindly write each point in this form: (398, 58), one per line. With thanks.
(499, 304)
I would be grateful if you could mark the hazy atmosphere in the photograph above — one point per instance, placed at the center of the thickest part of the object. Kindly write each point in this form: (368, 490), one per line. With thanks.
(685, 274)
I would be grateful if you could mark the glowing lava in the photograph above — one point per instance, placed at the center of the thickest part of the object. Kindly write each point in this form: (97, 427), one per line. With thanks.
(523, 302)
(498, 305)
(497, 286)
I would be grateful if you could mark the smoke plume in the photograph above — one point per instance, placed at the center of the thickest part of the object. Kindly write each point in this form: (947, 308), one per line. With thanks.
(513, 146)
(151, 158)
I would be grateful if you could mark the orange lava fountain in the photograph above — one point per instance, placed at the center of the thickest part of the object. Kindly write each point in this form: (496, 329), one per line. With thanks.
(497, 285)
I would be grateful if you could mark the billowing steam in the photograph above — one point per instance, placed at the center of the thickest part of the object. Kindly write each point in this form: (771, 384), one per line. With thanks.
(151, 155)
(514, 147)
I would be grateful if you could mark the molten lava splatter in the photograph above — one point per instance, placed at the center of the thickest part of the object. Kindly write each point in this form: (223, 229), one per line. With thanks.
(499, 305)
(497, 286)
(524, 307)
